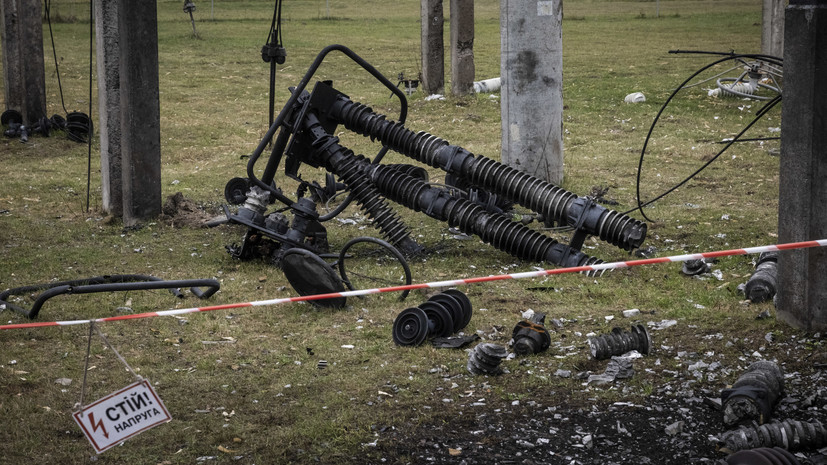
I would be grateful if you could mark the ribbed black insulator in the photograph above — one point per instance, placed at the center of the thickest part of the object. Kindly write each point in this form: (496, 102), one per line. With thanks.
(543, 197)
(350, 167)
(618, 342)
(789, 434)
(754, 394)
(762, 285)
(761, 456)
(471, 218)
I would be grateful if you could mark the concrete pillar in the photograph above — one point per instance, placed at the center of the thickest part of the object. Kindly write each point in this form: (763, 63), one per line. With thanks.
(462, 46)
(109, 104)
(433, 52)
(772, 28)
(23, 69)
(531, 66)
(140, 111)
(802, 212)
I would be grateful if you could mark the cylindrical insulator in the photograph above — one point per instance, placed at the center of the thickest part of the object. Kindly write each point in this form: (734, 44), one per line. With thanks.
(618, 342)
(553, 202)
(761, 286)
(754, 394)
(493, 228)
(788, 434)
(485, 359)
(762, 455)
(349, 167)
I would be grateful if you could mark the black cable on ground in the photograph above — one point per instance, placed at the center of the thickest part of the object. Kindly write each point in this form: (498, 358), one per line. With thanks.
(760, 113)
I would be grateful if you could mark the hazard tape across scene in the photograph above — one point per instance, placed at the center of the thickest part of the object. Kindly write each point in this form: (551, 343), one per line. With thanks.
(438, 284)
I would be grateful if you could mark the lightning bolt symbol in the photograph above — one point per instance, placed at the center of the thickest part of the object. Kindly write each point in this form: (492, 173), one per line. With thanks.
(98, 424)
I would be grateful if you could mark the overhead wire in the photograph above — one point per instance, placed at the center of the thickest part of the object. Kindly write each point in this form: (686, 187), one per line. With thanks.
(760, 113)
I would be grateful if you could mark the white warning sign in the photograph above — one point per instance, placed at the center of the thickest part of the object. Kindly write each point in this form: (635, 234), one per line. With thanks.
(121, 415)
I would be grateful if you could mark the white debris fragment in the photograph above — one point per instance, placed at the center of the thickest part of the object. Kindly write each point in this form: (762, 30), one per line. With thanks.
(635, 97)
(631, 312)
(434, 97)
(663, 324)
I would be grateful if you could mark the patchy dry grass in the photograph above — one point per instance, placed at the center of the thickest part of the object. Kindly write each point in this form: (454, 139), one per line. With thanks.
(243, 385)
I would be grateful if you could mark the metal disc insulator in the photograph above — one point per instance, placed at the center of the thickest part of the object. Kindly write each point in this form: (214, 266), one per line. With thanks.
(410, 328)
(235, 192)
(440, 322)
(464, 301)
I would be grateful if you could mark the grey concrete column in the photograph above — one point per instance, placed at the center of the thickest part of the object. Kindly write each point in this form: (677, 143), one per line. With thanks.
(802, 210)
(109, 104)
(772, 28)
(462, 46)
(23, 67)
(531, 66)
(140, 111)
(433, 51)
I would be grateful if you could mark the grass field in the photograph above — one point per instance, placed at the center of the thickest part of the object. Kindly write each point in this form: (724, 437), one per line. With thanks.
(243, 385)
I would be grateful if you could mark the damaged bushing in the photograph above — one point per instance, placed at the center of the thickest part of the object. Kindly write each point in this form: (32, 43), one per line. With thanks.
(762, 456)
(754, 395)
(485, 359)
(440, 316)
(695, 267)
(531, 336)
(618, 342)
(789, 434)
(761, 286)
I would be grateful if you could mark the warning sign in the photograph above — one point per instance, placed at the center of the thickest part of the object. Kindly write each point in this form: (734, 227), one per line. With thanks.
(121, 415)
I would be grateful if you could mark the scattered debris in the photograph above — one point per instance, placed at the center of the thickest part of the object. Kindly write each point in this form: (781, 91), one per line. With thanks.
(618, 368)
(485, 359)
(635, 97)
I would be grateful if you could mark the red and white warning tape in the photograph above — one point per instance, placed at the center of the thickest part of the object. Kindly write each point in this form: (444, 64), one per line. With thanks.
(438, 284)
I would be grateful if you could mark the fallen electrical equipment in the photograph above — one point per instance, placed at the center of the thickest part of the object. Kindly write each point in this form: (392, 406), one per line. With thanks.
(306, 126)
(109, 283)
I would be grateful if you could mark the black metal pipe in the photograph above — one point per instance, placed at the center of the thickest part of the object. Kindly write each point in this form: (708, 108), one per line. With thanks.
(106, 284)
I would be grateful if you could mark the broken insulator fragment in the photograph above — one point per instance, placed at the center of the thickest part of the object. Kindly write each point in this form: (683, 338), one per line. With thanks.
(789, 434)
(762, 284)
(531, 336)
(761, 456)
(754, 394)
(618, 342)
(485, 359)
(695, 267)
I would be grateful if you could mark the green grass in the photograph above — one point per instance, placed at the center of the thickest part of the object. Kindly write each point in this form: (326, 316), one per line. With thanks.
(206, 366)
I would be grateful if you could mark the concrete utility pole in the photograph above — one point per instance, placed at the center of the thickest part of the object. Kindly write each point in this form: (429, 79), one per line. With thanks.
(433, 53)
(462, 47)
(24, 74)
(531, 65)
(802, 212)
(140, 110)
(772, 28)
(109, 104)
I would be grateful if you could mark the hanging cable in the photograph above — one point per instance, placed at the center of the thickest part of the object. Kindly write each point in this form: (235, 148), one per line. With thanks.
(47, 7)
(273, 52)
(760, 113)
